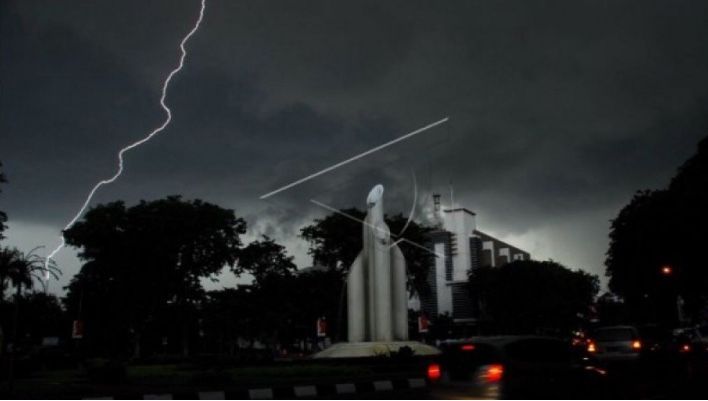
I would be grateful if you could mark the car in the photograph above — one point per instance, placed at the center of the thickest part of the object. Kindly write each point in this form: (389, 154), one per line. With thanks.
(615, 343)
(692, 339)
(516, 367)
(656, 339)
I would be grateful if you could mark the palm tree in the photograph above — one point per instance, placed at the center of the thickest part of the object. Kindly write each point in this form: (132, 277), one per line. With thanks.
(20, 270)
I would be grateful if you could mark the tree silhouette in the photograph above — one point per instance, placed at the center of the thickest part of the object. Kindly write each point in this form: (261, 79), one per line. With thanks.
(658, 229)
(272, 301)
(638, 250)
(138, 259)
(22, 270)
(527, 296)
(335, 240)
(41, 315)
(229, 315)
(266, 258)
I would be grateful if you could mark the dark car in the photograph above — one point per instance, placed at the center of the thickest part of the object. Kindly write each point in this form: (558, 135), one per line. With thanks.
(518, 367)
(664, 343)
(689, 341)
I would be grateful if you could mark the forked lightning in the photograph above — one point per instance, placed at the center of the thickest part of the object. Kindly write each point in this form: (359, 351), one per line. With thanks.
(154, 132)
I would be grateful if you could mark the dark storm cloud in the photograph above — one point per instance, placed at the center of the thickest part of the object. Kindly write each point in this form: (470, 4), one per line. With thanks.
(559, 110)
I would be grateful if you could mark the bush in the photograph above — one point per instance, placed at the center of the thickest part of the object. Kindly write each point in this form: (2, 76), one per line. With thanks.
(403, 354)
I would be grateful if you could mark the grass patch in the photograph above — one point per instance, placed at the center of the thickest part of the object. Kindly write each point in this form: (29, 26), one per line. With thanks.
(185, 374)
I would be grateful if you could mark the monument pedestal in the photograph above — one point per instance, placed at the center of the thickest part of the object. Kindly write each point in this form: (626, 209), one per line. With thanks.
(374, 348)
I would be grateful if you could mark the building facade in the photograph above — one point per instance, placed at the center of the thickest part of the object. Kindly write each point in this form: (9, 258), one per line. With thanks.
(459, 247)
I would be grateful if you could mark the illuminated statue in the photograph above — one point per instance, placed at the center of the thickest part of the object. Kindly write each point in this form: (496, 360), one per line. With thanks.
(376, 286)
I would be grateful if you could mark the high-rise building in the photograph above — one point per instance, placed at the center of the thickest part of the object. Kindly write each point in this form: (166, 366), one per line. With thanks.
(460, 247)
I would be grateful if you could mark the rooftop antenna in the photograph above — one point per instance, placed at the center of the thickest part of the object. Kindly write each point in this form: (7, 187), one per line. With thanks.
(452, 196)
(437, 212)
(436, 203)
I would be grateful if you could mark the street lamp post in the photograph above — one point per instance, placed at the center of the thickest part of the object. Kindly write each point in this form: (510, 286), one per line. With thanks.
(667, 270)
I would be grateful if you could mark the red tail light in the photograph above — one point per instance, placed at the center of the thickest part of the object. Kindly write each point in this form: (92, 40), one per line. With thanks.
(636, 344)
(686, 348)
(467, 347)
(591, 347)
(492, 373)
(433, 372)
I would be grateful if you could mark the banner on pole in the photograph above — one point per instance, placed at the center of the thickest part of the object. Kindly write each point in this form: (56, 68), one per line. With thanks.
(322, 327)
(423, 324)
(77, 329)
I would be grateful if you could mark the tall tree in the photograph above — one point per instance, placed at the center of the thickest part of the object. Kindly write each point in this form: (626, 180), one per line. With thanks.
(22, 270)
(285, 307)
(265, 258)
(272, 302)
(320, 293)
(638, 250)
(138, 259)
(228, 316)
(526, 296)
(662, 229)
(41, 315)
(336, 240)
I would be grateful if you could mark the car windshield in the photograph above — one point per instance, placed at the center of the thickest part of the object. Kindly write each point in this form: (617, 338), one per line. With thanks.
(615, 334)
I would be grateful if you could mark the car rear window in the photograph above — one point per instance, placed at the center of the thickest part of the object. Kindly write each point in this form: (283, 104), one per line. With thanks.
(615, 334)
(474, 354)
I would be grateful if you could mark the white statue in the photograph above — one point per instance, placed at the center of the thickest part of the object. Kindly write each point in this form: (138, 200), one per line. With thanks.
(376, 286)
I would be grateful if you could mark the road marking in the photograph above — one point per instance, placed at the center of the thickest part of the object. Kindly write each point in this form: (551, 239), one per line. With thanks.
(299, 391)
(383, 385)
(345, 388)
(260, 394)
(305, 391)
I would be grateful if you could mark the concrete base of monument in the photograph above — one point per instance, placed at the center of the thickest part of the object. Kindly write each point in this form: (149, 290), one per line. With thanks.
(378, 348)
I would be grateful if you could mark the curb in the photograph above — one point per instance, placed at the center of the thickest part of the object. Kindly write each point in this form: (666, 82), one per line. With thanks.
(290, 392)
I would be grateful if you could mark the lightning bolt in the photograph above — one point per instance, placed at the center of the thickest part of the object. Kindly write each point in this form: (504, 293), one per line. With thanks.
(134, 145)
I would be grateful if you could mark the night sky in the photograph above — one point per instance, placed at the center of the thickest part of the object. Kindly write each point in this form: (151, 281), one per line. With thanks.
(559, 111)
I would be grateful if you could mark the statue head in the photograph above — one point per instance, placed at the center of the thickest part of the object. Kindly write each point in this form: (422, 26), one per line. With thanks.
(374, 195)
(375, 215)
